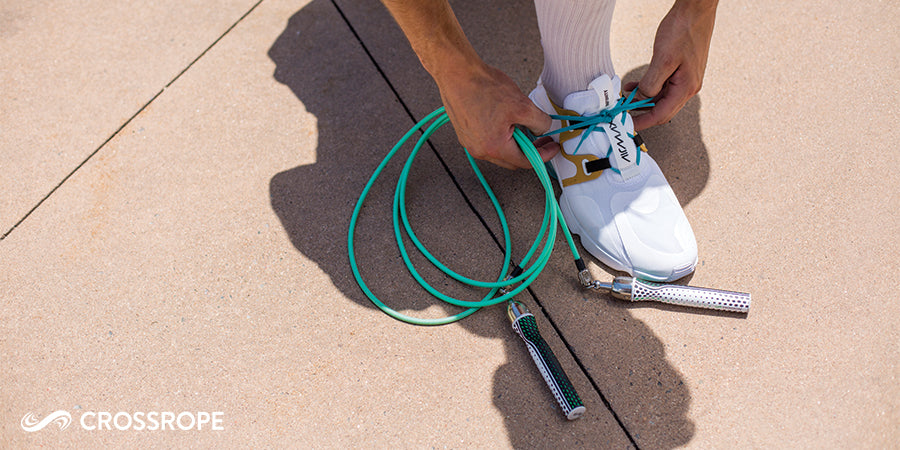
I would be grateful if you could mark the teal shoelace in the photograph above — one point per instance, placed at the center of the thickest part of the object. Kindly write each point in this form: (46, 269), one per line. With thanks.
(621, 108)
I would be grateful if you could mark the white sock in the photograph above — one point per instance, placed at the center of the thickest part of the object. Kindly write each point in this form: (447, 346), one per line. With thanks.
(575, 38)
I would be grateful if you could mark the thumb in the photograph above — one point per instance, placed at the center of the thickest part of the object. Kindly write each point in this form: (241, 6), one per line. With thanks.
(631, 86)
(652, 82)
(534, 119)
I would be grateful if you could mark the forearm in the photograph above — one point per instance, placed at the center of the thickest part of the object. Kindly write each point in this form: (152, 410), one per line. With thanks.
(483, 103)
(698, 6)
(436, 37)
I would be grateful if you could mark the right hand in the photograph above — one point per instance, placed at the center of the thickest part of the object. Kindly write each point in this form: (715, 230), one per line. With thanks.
(485, 105)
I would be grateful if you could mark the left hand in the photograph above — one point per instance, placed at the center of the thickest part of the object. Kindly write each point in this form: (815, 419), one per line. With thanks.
(676, 70)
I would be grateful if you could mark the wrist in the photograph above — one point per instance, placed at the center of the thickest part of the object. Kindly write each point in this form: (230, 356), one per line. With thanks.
(448, 56)
(455, 71)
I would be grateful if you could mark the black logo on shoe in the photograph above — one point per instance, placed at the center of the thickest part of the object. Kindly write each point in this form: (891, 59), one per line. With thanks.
(620, 144)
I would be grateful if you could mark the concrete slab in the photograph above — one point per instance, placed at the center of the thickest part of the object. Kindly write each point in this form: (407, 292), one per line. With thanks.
(797, 217)
(784, 205)
(75, 71)
(197, 264)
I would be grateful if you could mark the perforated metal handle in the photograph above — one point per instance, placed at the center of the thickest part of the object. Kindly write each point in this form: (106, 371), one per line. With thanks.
(631, 289)
(690, 296)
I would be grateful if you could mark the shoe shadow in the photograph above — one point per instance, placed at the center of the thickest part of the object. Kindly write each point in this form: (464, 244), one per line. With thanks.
(330, 75)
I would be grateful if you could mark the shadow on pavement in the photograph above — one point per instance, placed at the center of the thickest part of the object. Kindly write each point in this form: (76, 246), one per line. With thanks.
(331, 77)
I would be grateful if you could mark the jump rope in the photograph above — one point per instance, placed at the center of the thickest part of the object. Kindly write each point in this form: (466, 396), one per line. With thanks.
(513, 279)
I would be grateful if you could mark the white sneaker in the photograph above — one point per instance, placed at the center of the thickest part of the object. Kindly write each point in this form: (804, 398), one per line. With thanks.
(614, 196)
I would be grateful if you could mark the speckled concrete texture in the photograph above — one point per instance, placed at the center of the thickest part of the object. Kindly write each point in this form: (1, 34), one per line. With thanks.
(197, 261)
(75, 71)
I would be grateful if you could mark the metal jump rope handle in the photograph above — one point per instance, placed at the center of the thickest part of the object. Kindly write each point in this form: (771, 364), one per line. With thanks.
(632, 289)
(526, 327)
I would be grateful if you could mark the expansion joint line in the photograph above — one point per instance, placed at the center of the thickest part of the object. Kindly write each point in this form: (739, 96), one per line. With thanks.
(480, 217)
(127, 121)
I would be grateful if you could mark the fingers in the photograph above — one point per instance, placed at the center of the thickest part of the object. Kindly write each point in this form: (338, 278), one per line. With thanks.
(674, 95)
(638, 95)
(502, 163)
(680, 50)
(665, 109)
(547, 148)
(485, 108)
(630, 86)
(656, 83)
(509, 155)
(539, 123)
(534, 119)
(654, 80)
(512, 157)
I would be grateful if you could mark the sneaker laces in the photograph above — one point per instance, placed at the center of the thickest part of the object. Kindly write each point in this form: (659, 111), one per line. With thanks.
(621, 108)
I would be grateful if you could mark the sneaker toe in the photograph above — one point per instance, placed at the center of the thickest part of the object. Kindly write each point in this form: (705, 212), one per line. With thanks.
(656, 235)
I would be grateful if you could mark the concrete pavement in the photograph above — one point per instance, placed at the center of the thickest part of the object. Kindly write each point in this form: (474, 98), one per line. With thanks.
(177, 180)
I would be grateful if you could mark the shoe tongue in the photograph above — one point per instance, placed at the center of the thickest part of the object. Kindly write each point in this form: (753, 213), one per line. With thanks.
(601, 94)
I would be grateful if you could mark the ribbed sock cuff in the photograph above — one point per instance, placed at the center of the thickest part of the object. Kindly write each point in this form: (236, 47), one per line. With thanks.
(575, 38)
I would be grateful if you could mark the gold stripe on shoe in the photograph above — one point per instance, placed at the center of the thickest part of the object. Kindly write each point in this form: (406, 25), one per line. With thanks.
(580, 161)
(581, 174)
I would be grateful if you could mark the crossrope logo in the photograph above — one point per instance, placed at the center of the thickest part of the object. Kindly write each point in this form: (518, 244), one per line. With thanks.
(130, 420)
(31, 424)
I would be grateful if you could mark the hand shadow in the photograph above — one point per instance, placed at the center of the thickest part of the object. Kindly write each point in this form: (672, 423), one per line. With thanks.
(325, 68)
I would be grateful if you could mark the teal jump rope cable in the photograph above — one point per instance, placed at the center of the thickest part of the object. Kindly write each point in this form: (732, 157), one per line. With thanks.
(511, 282)
(522, 275)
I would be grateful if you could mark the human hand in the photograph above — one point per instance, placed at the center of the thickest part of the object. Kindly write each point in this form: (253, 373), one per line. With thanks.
(485, 105)
(676, 70)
